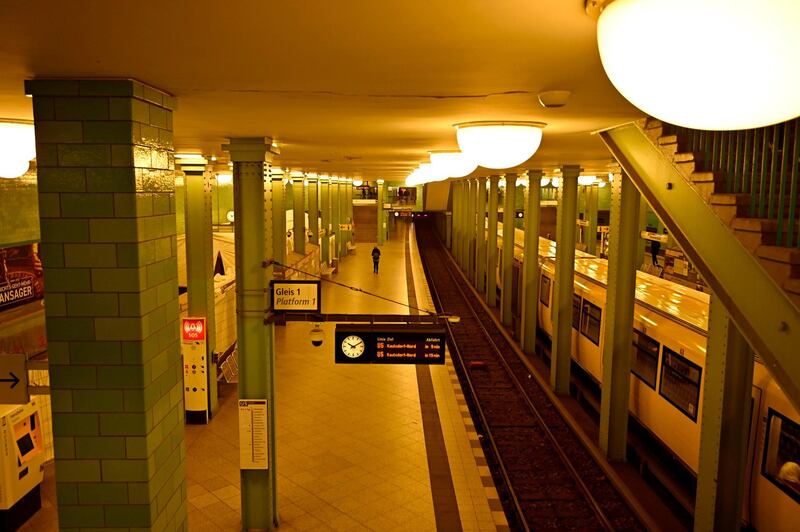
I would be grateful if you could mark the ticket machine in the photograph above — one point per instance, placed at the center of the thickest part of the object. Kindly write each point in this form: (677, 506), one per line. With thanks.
(21, 463)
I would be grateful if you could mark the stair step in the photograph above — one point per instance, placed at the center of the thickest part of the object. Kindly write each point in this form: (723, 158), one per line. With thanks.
(792, 286)
(685, 157)
(707, 177)
(764, 225)
(667, 139)
(779, 254)
(653, 123)
(726, 198)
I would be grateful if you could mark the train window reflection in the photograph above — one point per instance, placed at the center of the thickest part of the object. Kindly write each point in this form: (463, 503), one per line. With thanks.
(576, 311)
(644, 363)
(680, 382)
(781, 463)
(544, 291)
(590, 322)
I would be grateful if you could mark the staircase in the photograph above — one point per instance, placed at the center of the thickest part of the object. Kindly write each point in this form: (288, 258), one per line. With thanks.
(737, 226)
(735, 209)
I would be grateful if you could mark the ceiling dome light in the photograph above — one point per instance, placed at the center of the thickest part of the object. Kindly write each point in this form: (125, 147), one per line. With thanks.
(587, 180)
(224, 178)
(544, 181)
(498, 145)
(756, 38)
(357, 182)
(556, 182)
(17, 148)
(452, 163)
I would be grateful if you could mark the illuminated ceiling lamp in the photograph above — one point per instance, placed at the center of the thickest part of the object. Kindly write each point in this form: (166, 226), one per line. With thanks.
(451, 163)
(724, 65)
(587, 180)
(17, 148)
(357, 182)
(499, 145)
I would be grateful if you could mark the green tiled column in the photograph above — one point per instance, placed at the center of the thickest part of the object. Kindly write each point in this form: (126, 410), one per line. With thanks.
(591, 218)
(256, 339)
(335, 219)
(313, 208)
(381, 231)
(278, 180)
(106, 172)
(480, 243)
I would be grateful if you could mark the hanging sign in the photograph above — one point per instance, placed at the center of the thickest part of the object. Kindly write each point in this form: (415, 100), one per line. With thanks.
(296, 296)
(389, 344)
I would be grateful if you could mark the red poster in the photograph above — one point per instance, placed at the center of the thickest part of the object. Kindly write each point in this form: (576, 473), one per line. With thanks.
(20, 276)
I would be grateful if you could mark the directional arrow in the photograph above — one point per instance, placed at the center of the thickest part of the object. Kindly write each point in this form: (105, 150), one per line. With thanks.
(13, 379)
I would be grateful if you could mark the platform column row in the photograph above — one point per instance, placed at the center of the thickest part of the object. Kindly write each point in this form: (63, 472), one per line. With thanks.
(480, 243)
(313, 208)
(472, 228)
(325, 213)
(299, 214)
(491, 242)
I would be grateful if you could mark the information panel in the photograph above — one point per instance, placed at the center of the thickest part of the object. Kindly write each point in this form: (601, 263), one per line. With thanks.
(389, 344)
(253, 434)
(296, 296)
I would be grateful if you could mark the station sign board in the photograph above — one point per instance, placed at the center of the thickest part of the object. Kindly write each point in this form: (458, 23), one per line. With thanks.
(389, 344)
(296, 296)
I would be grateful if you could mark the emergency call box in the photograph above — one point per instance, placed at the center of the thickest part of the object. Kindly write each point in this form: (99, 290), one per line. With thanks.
(194, 351)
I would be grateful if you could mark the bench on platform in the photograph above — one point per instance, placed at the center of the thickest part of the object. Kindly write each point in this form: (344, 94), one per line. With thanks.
(351, 246)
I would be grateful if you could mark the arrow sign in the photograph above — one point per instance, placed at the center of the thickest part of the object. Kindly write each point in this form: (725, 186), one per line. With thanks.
(13, 379)
(14, 384)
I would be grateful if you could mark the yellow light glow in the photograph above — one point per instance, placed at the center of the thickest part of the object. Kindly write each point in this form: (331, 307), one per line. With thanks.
(601, 184)
(499, 144)
(587, 180)
(451, 164)
(357, 182)
(556, 182)
(17, 148)
(224, 178)
(544, 181)
(732, 37)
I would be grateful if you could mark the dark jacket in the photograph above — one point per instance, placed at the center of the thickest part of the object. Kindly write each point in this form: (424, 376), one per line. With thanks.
(376, 254)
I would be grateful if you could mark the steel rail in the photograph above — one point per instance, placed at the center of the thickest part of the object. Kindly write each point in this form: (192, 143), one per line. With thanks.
(604, 520)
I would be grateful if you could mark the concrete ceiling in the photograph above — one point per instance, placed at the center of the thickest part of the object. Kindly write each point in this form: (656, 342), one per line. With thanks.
(358, 87)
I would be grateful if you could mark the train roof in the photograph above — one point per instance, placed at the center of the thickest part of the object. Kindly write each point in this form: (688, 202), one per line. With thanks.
(678, 301)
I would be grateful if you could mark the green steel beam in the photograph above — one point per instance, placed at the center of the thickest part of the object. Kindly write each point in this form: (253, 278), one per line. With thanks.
(563, 285)
(256, 340)
(509, 215)
(278, 216)
(591, 218)
(725, 424)
(530, 263)
(335, 219)
(472, 228)
(761, 310)
(299, 215)
(491, 243)
(458, 221)
(325, 211)
(379, 223)
(620, 298)
(642, 225)
(480, 244)
(313, 209)
(200, 267)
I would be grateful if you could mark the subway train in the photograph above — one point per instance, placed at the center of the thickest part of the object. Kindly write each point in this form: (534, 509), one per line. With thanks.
(667, 370)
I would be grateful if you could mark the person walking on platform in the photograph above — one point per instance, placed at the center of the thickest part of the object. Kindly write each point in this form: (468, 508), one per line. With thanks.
(376, 258)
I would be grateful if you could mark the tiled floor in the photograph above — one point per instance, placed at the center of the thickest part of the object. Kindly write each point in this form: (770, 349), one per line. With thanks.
(350, 444)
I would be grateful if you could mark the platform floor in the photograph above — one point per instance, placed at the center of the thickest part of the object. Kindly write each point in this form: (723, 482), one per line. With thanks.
(352, 449)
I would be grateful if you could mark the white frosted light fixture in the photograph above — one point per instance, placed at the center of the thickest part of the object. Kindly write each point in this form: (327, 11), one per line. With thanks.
(587, 180)
(224, 178)
(556, 182)
(17, 148)
(544, 181)
(357, 182)
(755, 39)
(448, 163)
(499, 145)
(601, 184)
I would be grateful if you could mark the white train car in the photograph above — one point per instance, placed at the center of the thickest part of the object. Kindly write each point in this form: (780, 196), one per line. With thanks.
(667, 372)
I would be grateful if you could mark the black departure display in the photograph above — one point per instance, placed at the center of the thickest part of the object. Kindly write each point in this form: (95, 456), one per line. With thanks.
(389, 344)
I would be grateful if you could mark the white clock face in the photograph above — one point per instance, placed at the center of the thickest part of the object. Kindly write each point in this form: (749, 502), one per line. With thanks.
(353, 346)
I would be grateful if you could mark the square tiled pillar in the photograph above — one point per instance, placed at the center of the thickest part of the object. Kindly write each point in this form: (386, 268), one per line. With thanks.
(107, 207)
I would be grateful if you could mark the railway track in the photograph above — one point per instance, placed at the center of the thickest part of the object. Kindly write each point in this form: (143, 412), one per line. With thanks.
(547, 478)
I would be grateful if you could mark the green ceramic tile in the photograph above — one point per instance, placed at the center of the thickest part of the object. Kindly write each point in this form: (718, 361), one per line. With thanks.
(68, 280)
(103, 493)
(106, 87)
(73, 377)
(52, 255)
(101, 447)
(92, 305)
(49, 205)
(114, 230)
(128, 515)
(67, 329)
(58, 131)
(139, 493)
(61, 400)
(64, 447)
(66, 493)
(135, 255)
(61, 179)
(138, 304)
(56, 304)
(120, 328)
(75, 425)
(105, 353)
(122, 155)
(61, 230)
(120, 377)
(80, 516)
(133, 204)
(81, 108)
(43, 108)
(158, 116)
(88, 255)
(84, 155)
(127, 424)
(125, 470)
(110, 180)
(98, 205)
(46, 155)
(110, 132)
(118, 279)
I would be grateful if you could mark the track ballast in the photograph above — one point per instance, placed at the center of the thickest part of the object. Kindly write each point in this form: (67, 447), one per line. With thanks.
(547, 478)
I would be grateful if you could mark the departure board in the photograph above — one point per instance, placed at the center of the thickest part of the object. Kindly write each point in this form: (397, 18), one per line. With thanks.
(389, 344)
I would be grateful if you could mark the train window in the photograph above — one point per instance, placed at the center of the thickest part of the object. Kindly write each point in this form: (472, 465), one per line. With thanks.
(680, 382)
(590, 322)
(781, 462)
(576, 312)
(544, 291)
(645, 358)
